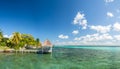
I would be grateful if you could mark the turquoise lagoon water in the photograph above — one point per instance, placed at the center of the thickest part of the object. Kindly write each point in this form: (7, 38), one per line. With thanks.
(64, 57)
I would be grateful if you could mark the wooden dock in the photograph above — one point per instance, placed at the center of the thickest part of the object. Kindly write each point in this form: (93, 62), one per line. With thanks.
(43, 50)
(26, 51)
(40, 51)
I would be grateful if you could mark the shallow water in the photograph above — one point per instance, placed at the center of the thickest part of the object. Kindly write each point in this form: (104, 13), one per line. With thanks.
(65, 57)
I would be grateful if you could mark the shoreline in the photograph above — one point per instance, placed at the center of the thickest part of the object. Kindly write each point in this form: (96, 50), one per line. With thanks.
(40, 51)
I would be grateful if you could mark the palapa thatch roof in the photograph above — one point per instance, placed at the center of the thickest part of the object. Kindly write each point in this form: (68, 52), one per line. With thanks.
(47, 43)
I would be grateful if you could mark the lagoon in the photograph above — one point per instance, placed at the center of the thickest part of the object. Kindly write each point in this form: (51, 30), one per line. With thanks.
(64, 57)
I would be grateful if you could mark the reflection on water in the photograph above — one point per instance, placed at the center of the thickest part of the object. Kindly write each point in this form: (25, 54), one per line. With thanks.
(65, 58)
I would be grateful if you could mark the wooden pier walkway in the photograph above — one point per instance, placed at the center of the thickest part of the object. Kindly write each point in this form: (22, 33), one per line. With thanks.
(40, 51)
(27, 51)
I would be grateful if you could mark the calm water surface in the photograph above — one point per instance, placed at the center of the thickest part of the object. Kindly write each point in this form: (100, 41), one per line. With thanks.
(65, 57)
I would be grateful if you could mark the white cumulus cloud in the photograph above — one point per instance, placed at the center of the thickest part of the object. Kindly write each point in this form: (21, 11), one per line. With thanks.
(63, 36)
(80, 20)
(75, 32)
(109, 1)
(101, 29)
(95, 39)
(109, 14)
(117, 37)
(87, 37)
(116, 26)
(7, 36)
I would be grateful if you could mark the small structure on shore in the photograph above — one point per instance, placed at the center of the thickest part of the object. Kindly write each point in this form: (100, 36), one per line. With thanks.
(47, 46)
(47, 43)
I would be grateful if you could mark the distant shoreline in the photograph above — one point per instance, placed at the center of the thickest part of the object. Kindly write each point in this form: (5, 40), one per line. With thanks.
(86, 45)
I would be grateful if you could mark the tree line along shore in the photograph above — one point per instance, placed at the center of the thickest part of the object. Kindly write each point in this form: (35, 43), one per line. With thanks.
(18, 41)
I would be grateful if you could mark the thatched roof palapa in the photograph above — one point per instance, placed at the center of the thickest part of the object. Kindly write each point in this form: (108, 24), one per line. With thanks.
(47, 43)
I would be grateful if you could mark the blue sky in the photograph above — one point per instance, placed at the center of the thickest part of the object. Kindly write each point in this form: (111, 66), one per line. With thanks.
(63, 21)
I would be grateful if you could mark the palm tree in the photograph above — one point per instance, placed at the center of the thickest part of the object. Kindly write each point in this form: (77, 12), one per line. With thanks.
(1, 35)
(16, 38)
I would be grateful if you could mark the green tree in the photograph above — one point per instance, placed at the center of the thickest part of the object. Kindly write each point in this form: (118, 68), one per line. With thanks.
(28, 39)
(4, 41)
(9, 44)
(1, 35)
(38, 43)
(16, 38)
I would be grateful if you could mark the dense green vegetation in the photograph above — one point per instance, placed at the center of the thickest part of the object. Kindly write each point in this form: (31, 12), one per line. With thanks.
(18, 40)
